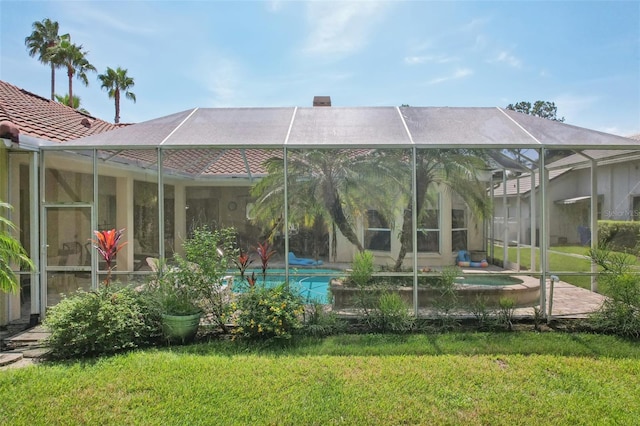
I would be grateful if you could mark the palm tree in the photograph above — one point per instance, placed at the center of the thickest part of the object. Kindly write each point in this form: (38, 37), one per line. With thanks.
(115, 81)
(11, 251)
(334, 185)
(43, 38)
(74, 59)
(454, 170)
(64, 100)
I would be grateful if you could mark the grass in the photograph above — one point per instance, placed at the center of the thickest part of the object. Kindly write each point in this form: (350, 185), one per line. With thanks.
(561, 259)
(456, 378)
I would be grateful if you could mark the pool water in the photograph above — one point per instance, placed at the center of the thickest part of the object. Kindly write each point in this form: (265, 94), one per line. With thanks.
(312, 284)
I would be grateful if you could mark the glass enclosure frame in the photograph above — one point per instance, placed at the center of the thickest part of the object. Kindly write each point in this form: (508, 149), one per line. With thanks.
(309, 133)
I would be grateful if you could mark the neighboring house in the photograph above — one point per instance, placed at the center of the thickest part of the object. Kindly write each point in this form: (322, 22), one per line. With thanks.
(569, 196)
(28, 121)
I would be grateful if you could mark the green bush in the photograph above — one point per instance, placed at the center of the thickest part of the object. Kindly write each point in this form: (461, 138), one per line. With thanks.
(362, 269)
(320, 323)
(268, 313)
(99, 322)
(391, 315)
(621, 236)
(620, 312)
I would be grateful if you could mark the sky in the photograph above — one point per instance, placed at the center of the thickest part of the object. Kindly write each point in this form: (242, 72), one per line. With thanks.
(583, 56)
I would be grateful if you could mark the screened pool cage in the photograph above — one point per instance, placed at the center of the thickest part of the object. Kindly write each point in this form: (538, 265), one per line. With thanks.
(415, 186)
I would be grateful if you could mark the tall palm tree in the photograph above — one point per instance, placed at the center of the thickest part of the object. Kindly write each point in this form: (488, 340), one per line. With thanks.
(115, 81)
(454, 170)
(11, 251)
(73, 58)
(335, 185)
(43, 38)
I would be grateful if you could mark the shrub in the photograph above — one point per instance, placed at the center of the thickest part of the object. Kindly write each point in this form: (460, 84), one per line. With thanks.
(391, 315)
(362, 268)
(621, 236)
(506, 310)
(209, 254)
(620, 312)
(320, 323)
(447, 301)
(268, 313)
(99, 322)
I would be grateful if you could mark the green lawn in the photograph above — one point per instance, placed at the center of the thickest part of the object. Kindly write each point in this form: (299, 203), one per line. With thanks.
(561, 259)
(457, 378)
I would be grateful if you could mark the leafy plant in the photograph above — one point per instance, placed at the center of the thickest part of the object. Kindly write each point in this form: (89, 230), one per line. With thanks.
(319, 322)
(104, 321)
(506, 310)
(269, 313)
(172, 293)
(391, 315)
(447, 300)
(362, 268)
(11, 251)
(208, 255)
(265, 252)
(108, 245)
(620, 312)
(242, 261)
(480, 310)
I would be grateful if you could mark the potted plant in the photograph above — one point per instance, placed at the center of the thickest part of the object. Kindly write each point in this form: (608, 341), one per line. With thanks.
(177, 301)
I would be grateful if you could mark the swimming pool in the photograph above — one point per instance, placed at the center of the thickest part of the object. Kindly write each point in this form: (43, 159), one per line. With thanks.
(311, 283)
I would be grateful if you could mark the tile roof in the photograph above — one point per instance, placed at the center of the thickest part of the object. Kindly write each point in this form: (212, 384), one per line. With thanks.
(525, 183)
(46, 119)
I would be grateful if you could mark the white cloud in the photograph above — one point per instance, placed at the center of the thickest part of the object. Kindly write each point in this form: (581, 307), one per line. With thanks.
(573, 106)
(221, 77)
(437, 59)
(508, 58)
(341, 27)
(456, 75)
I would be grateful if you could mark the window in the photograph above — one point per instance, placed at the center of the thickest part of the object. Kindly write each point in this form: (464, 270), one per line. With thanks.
(635, 208)
(377, 235)
(458, 229)
(429, 232)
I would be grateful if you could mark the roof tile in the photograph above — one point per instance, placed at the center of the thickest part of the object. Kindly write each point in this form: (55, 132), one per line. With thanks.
(46, 119)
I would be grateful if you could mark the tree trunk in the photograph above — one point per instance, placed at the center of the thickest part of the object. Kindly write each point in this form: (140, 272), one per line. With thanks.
(117, 99)
(53, 82)
(406, 234)
(70, 75)
(334, 206)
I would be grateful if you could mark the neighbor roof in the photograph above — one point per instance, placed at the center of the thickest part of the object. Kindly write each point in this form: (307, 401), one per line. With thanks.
(512, 185)
(46, 119)
(354, 127)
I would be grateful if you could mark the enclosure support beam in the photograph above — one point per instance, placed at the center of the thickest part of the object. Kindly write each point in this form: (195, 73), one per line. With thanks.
(544, 231)
(594, 221)
(414, 227)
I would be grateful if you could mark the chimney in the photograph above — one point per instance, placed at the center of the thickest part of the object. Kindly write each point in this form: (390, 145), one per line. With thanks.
(322, 101)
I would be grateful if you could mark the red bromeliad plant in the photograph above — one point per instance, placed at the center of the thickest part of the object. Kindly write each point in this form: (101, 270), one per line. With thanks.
(242, 262)
(265, 253)
(107, 244)
(252, 280)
